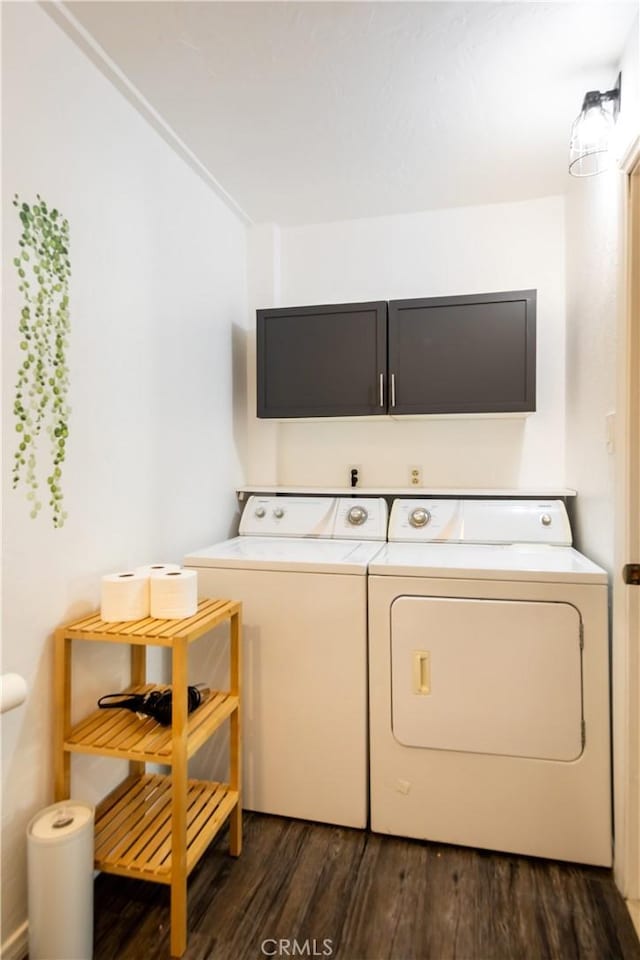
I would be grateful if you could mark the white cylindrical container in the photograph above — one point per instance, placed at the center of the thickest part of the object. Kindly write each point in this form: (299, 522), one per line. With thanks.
(13, 691)
(174, 594)
(153, 569)
(125, 596)
(60, 881)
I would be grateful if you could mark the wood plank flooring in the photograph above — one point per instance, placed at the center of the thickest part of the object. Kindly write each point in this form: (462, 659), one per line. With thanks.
(373, 898)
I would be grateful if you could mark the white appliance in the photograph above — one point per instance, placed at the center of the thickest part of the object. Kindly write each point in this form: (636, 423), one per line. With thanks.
(299, 567)
(489, 681)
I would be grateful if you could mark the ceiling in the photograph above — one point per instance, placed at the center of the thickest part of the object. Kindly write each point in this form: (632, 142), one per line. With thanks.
(314, 111)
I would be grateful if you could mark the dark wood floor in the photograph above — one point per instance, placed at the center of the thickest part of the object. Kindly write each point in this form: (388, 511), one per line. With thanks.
(374, 898)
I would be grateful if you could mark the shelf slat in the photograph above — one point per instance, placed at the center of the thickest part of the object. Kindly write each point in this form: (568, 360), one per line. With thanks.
(161, 633)
(121, 733)
(133, 825)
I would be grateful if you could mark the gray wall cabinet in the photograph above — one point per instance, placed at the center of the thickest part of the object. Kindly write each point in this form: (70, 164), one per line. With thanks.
(324, 361)
(440, 355)
(471, 354)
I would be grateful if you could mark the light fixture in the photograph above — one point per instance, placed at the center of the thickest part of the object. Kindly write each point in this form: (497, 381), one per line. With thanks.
(591, 132)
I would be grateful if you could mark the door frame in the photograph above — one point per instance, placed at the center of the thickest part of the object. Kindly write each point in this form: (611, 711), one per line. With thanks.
(626, 600)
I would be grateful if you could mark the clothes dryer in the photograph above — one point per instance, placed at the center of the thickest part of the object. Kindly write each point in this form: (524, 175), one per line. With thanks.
(299, 567)
(489, 681)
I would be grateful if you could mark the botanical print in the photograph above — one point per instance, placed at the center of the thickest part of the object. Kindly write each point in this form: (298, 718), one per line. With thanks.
(42, 387)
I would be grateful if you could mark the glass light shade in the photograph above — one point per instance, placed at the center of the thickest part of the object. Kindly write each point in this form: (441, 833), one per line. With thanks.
(590, 139)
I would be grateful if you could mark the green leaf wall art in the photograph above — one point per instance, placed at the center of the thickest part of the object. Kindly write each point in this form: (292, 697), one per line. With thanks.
(41, 398)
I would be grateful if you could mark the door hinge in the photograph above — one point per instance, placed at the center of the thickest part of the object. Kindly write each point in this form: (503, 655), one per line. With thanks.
(631, 574)
(583, 733)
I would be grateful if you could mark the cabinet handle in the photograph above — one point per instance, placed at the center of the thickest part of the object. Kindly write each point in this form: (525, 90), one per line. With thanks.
(382, 389)
(393, 389)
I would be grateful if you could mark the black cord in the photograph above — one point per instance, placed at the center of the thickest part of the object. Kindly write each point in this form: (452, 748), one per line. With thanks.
(155, 703)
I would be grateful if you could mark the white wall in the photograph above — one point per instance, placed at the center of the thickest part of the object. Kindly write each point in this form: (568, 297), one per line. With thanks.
(158, 306)
(593, 261)
(595, 304)
(456, 251)
(264, 276)
(596, 380)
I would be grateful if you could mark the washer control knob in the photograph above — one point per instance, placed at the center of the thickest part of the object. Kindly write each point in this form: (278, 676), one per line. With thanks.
(545, 520)
(278, 513)
(357, 516)
(260, 512)
(419, 517)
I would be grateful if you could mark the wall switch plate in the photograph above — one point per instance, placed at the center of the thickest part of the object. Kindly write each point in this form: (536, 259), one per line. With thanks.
(415, 476)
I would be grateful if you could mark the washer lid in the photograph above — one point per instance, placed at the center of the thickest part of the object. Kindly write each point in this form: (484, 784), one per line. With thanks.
(513, 561)
(289, 555)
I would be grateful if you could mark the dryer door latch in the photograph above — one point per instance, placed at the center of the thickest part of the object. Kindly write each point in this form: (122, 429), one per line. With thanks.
(631, 574)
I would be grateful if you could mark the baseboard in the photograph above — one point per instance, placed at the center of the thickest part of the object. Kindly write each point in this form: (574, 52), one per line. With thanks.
(634, 909)
(16, 946)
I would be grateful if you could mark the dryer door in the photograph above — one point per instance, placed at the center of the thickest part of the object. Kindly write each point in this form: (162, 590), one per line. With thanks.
(487, 676)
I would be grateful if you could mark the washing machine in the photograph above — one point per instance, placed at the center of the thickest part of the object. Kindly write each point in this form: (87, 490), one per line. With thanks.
(299, 566)
(489, 681)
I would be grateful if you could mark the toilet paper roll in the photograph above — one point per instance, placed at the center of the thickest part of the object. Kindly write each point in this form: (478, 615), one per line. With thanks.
(174, 594)
(60, 882)
(13, 691)
(125, 596)
(153, 569)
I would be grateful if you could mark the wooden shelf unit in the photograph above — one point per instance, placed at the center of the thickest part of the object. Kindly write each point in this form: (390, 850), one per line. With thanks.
(153, 826)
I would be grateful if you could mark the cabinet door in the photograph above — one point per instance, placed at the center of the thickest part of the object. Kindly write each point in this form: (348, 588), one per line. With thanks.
(322, 361)
(471, 354)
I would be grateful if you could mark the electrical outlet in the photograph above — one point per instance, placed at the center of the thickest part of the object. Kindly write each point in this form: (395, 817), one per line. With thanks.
(415, 476)
(354, 472)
